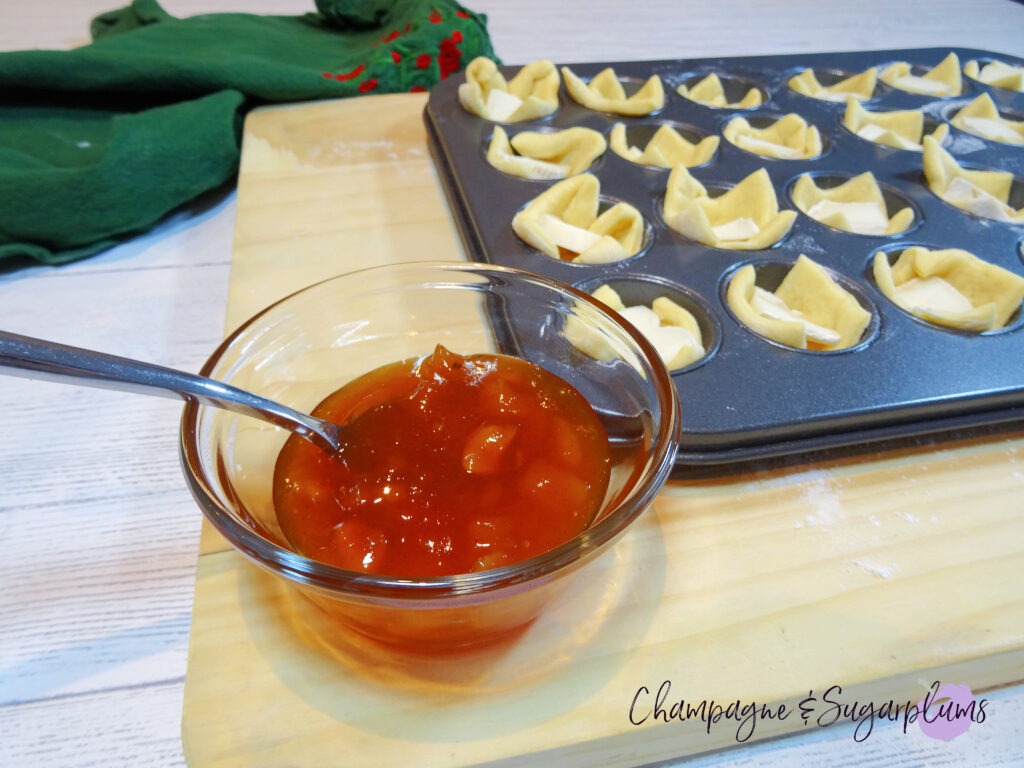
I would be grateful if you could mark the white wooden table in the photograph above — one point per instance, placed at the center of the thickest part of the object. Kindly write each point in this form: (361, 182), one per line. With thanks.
(93, 641)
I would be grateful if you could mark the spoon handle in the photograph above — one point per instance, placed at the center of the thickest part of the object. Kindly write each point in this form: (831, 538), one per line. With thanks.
(39, 359)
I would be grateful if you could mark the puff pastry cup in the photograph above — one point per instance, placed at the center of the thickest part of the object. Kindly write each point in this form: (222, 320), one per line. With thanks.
(899, 129)
(545, 155)
(745, 217)
(950, 287)
(942, 80)
(667, 148)
(711, 93)
(788, 138)
(605, 93)
(983, 193)
(809, 310)
(672, 330)
(859, 86)
(531, 94)
(981, 117)
(857, 205)
(996, 73)
(564, 222)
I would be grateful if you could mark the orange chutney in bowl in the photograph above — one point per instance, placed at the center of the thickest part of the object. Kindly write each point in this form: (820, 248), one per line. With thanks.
(450, 464)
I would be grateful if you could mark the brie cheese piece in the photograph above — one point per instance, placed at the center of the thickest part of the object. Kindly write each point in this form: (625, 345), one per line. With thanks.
(564, 235)
(873, 132)
(995, 130)
(970, 197)
(737, 229)
(863, 218)
(762, 147)
(933, 294)
(501, 105)
(916, 84)
(668, 340)
(770, 305)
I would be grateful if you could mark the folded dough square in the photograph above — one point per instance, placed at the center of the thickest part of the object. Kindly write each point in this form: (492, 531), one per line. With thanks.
(982, 118)
(672, 330)
(667, 148)
(605, 93)
(745, 217)
(711, 93)
(808, 310)
(788, 138)
(997, 74)
(531, 94)
(857, 87)
(950, 287)
(981, 192)
(942, 80)
(565, 222)
(898, 128)
(545, 155)
(857, 205)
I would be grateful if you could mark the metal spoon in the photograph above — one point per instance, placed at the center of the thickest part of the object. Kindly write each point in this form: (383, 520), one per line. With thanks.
(38, 359)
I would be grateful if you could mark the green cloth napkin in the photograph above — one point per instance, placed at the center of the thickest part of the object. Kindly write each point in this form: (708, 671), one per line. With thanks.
(99, 142)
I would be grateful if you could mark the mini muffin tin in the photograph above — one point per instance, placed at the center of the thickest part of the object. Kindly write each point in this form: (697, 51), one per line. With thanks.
(749, 397)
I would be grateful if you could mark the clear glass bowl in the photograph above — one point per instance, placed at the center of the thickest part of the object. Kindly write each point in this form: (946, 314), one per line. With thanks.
(309, 344)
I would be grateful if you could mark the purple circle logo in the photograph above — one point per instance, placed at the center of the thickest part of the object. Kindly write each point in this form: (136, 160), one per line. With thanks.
(946, 711)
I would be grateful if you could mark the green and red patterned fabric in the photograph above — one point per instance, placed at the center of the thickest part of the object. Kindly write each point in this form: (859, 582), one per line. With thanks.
(98, 143)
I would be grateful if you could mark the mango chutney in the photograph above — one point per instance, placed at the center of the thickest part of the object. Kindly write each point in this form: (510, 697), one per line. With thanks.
(449, 464)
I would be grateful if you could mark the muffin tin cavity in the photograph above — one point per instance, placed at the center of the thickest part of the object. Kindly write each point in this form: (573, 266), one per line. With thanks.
(939, 81)
(607, 92)
(983, 192)
(695, 227)
(983, 118)
(544, 155)
(996, 73)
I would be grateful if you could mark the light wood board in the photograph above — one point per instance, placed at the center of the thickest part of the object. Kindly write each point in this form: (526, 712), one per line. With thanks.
(880, 573)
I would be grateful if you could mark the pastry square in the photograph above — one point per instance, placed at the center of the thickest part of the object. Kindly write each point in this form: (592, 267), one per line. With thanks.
(942, 80)
(711, 93)
(899, 129)
(996, 73)
(605, 93)
(667, 148)
(983, 193)
(982, 118)
(545, 155)
(857, 87)
(531, 94)
(566, 223)
(857, 205)
(808, 310)
(950, 287)
(745, 217)
(788, 138)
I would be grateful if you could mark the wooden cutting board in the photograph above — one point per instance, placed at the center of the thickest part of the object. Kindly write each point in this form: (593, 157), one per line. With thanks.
(880, 573)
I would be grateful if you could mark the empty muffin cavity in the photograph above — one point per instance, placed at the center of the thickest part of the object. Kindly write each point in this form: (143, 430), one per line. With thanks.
(949, 288)
(855, 204)
(801, 305)
(663, 144)
(722, 91)
(677, 322)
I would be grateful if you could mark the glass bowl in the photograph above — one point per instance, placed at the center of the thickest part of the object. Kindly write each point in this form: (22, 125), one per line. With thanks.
(307, 345)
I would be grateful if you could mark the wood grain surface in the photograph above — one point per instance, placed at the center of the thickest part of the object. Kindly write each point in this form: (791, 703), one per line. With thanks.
(880, 573)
